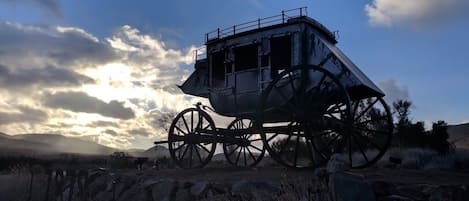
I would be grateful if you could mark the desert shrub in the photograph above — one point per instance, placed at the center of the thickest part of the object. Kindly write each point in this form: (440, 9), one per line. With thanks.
(120, 160)
(414, 135)
(461, 158)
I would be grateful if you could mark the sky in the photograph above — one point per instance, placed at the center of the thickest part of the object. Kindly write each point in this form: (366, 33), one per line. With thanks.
(107, 70)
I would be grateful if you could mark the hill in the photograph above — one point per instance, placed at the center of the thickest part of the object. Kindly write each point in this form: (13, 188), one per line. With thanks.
(459, 135)
(50, 144)
(160, 152)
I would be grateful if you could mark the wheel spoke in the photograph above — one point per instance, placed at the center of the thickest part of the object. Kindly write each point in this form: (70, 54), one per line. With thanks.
(185, 123)
(329, 143)
(360, 148)
(180, 146)
(192, 121)
(366, 109)
(204, 148)
(251, 154)
(185, 151)
(180, 130)
(198, 154)
(272, 137)
(370, 141)
(244, 155)
(232, 151)
(190, 158)
(297, 146)
(255, 148)
(237, 157)
(371, 130)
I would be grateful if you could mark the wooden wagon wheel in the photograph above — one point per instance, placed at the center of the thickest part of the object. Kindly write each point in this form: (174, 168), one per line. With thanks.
(248, 150)
(189, 147)
(370, 136)
(298, 105)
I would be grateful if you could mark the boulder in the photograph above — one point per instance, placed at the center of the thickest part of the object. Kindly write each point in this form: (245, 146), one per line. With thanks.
(337, 162)
(383, 189)
(350, 187)
(256, 190)
(162, 191)
(396, 198)
(199, 188)
(134, 193)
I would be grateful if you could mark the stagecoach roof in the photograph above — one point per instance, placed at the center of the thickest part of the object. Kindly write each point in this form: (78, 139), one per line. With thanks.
(288, 17)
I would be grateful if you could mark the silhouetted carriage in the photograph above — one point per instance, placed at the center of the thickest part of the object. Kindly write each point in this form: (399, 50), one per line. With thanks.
(292, 92)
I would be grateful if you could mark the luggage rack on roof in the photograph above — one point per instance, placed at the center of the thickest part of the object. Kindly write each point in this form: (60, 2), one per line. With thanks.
(256, 24)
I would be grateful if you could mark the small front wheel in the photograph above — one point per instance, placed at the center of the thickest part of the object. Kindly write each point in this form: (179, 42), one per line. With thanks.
(246, 149)
(187, 136)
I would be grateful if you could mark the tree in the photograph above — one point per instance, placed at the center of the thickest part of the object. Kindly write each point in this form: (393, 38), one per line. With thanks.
(401, 108)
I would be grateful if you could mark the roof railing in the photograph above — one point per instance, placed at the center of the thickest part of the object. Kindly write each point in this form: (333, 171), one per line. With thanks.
(256, 24)
(199, 53)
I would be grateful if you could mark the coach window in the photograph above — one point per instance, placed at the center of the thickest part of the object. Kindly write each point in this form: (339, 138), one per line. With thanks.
(246, 57)
(280, 54)
(218, 68)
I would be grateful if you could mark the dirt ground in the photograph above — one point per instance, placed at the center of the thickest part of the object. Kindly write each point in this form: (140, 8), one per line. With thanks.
(276, 174)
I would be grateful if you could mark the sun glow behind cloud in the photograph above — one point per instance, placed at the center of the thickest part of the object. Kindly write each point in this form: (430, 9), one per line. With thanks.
(115, 91)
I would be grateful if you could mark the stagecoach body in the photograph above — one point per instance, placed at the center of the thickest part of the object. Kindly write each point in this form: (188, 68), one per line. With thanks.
(292, 92)
(239, 67)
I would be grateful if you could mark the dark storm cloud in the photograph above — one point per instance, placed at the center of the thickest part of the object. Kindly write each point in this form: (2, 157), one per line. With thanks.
(110, 132)
(140, 131)
(25, 115)
(52, 6)
(45, 45)
(49, 76)
(82, 102)
(103, 124)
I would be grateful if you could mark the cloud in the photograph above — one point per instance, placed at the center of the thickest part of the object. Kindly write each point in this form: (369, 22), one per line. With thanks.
(118, 91)
(23, 114)
(103, 124)
(44, 77)
(82, 102)
(414, 13)
(64, 47)
(393, 91)
(139, 131)
(52, 6)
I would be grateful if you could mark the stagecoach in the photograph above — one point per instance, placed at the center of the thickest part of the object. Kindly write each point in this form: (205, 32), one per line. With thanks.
(293, 94)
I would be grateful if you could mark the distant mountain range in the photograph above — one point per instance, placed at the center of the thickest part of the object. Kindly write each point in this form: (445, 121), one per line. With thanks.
(459, 135)
(36, 144)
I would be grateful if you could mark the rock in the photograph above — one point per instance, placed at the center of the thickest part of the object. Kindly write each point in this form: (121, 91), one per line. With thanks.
(350, 187)
(258, 190)
(183, 194)
(337, 162)
(99, 184)
(414, 192)
(383, 189)
(163, 190)
(134, 193)
(396, 198)
(453, 193)
(199, 188)
(321, 173)
(103, 196)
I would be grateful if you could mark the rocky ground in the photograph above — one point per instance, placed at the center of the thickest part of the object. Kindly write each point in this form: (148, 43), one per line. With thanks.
(334, 182)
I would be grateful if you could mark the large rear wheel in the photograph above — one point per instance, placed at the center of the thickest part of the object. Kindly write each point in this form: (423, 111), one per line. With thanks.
(300, 104)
